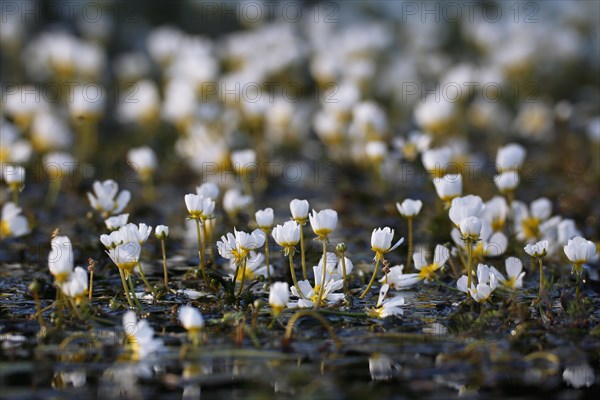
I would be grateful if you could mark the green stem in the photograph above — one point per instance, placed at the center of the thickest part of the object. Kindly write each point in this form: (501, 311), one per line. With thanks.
(410, 244)
(578, 272)
(322, 286)
(15, 196)
(53, 191)
(243, 279)
(289, 330)
(344, 273)
(303, 258)
(344, 313)
(204, 240)
(164, 257)
(293, 272)
(377, 260)
(148, 187)
(143, 276)
(267, 256)
(125, 289)
(541, 291)
(469, 244)
(38, 308)
(133, 295)
(200, 252)
(91, 286)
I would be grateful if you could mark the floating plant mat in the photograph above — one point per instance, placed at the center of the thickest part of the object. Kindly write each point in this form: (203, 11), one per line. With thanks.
(438, 347)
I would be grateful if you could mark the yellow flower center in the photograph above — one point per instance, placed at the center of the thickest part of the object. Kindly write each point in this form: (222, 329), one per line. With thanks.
(315, 296)
(531, 227)
(497, 224)
(376, 312)
(5, 228)
(428, 271)
(510, 282)
(62, 277)
(249, 274)
(127, 267)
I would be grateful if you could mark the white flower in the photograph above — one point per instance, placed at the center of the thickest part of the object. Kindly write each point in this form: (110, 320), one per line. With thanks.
(142, 160)
(400, 280)
(238, 245)
(435, 113)
(514, 272)
(388, 307)
(287, 235)
(369, 118)
(111, 240)
(60, 259)
(87, 104)
(580, 250)
(323, 222)
(299, 210)
(14, 175)
(463, 207)
(135, 233)
(310, 295)
(334, 265)
(593, 130)
(104, 200)
(381, 241)
(77, 285)
(255, 267)
(199, 207)
(376, 150)
(507, 181)
(278, 296)
(264, 218)
(538, 249)
(416, 143)
(380, 367)
(244, 160)
(234, 201)
(208, 189)
(409, 208)
(490, 244)
(487, 283)
(13, 223)
(161, 232)
(436, 161)
(116, 222)
(448, 186)
(495, 212)
(566, 229)
(140, 336)
(126, 256)
(510, 157)
(191, 318)
(470, 227)
(531, 224)
(579, 376)
(249, 241)
(59, 164)
(146, 106)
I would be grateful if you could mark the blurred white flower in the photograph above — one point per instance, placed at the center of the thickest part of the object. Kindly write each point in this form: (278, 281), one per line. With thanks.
(448, 187)
(13, 224)
(104, 200)
(409, 208)
(279, 296)
(514, 273)
(60, 259)
(140, 337)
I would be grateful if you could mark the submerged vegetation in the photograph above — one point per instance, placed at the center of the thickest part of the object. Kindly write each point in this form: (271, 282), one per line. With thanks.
(351, 240)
